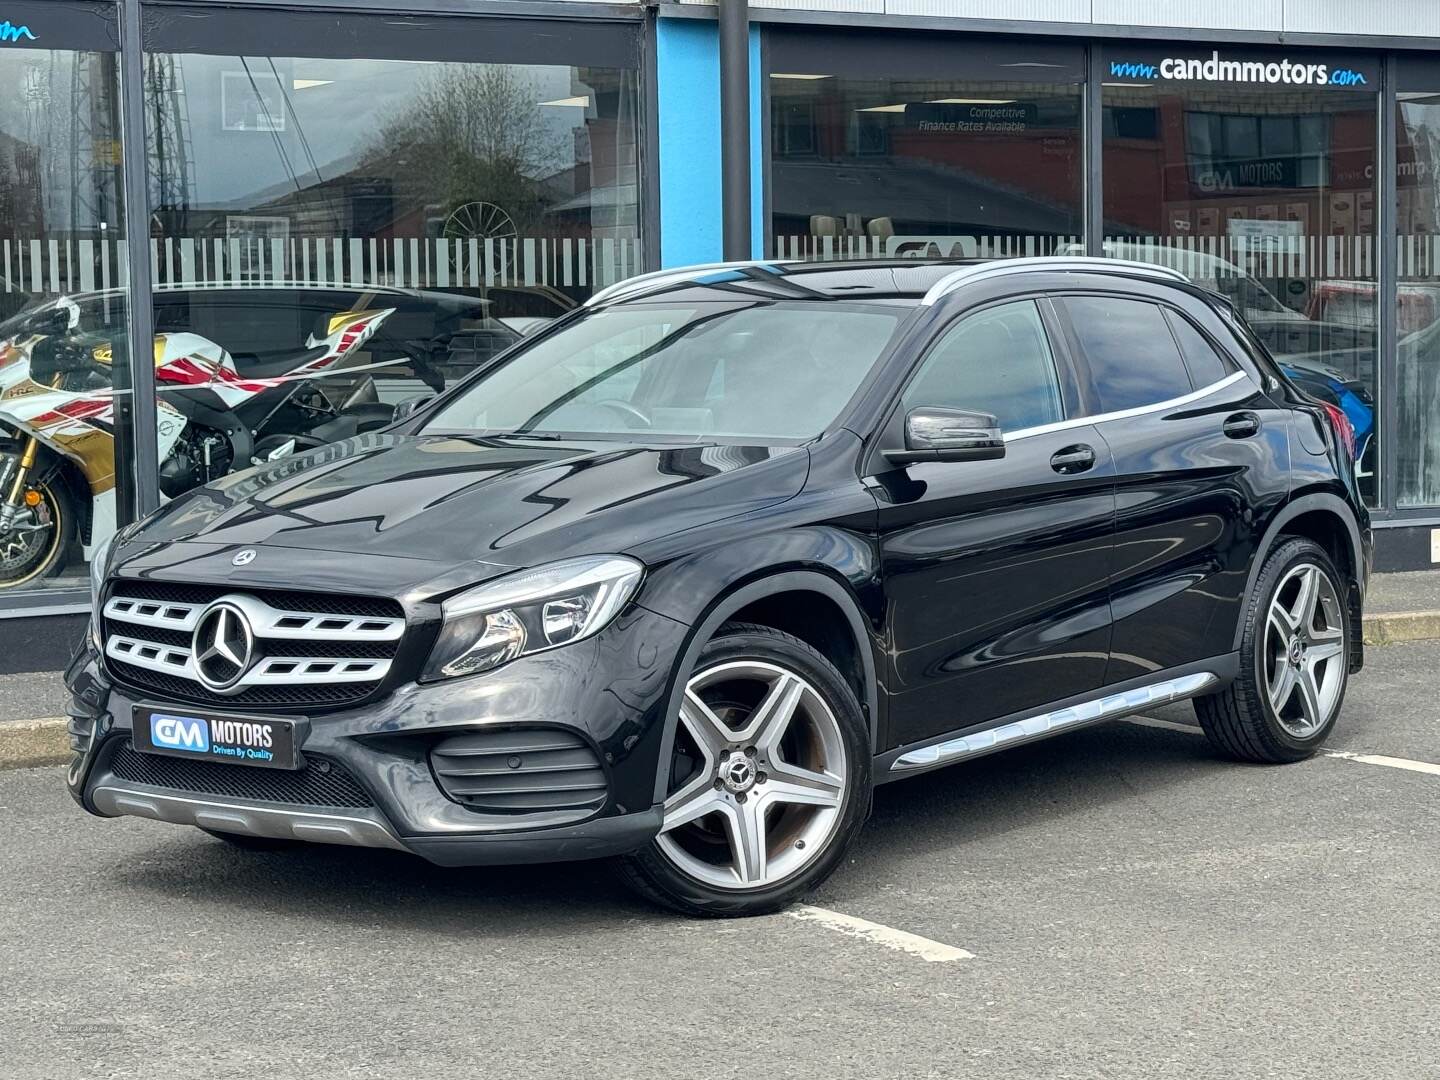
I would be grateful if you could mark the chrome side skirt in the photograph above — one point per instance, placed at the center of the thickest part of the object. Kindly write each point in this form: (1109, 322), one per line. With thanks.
(246, 820)
(1043, 726)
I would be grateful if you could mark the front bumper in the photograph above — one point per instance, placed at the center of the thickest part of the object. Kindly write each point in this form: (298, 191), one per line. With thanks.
(609, 690)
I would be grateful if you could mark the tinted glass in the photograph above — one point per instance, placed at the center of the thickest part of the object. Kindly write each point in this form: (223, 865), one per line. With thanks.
(1417, 360)
(1132, 356)
(692, 372)
(1206, 365)
(369, 228)
(916, 148)
(66, 451)
(996, 361)
(1266, 191)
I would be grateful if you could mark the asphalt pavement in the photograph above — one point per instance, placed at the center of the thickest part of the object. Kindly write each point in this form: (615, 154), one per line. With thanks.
(1134, 906)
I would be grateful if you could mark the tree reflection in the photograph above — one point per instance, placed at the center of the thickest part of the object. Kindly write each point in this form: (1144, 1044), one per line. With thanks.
(469, 132)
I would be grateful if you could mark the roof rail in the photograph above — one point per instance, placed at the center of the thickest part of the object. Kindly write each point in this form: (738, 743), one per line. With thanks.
(1001, 267)
(675, 276)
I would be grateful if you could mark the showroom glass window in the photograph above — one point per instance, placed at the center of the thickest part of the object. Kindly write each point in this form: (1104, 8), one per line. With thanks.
(369, 208)
(1256, 174)
(923, 147)
(65, 457)
(1417, 366)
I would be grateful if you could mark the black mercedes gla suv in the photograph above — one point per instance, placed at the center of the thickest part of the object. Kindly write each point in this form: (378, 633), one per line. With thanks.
(683, 576)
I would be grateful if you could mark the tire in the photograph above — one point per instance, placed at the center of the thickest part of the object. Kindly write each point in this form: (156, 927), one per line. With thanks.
(774, 829)
(26, 561)
(245, 842)
(1244, 720)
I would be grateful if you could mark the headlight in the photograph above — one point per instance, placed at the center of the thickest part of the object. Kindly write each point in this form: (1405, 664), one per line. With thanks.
(530, 612)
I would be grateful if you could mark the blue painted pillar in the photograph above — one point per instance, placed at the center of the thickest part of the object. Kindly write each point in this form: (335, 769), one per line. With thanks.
(688, 79)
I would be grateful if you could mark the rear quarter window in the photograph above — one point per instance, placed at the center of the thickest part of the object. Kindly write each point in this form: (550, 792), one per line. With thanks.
(1132, 355)
(1207, 366)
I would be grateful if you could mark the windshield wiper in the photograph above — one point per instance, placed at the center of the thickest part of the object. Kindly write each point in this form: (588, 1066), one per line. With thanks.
(542, 436)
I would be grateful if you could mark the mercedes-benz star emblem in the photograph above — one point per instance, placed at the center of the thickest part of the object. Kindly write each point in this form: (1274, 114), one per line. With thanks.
(738, 774)
(223, 645)
(243, 558)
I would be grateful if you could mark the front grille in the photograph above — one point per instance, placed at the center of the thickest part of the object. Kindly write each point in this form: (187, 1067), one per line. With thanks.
(321, 783)
(520, 770)
(310, 650)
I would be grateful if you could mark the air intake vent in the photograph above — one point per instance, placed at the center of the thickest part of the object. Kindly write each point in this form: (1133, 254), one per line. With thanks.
(321, 783)
(520, 771)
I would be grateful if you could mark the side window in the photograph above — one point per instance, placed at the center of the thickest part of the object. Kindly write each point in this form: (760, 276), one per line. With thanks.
(996, 361)
(1133, 357)
(1206, 365)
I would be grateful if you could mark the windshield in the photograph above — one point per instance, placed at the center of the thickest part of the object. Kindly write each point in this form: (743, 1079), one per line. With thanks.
(693, 371)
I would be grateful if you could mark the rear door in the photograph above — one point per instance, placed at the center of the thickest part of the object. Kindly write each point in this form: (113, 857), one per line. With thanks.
(995, 572)
(1200, 454)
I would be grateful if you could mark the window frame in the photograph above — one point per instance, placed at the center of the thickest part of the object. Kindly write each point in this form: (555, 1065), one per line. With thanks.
(1227, 362)
(890, 430)
(1082, 359)
(937, 341)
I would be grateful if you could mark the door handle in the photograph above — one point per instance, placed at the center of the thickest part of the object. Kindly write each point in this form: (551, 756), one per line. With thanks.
(1241, 425)
(1073, 459)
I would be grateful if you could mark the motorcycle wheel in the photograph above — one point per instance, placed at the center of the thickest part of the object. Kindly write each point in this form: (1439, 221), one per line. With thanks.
(33, 556)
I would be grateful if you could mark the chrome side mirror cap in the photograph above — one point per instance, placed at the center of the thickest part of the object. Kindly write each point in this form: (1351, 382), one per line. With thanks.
(936, 434)
(410, 406)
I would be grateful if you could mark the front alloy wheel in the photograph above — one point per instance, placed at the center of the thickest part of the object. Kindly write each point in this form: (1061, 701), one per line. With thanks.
(768, 781)
(769, 776)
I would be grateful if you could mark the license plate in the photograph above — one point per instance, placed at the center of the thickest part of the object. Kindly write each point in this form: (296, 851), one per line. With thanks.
(259, 741)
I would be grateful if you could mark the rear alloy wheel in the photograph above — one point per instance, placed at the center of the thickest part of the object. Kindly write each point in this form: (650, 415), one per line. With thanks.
(769, 779)
(1294, 662)
(1305, 651)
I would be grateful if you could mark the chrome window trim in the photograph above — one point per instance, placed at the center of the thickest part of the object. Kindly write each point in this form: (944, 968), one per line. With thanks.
(1125, 414)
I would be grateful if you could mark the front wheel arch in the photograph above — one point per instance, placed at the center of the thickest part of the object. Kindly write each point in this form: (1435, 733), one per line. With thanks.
(721, 611)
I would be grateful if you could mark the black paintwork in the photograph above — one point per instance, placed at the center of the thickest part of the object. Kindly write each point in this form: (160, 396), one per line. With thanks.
(975, 590)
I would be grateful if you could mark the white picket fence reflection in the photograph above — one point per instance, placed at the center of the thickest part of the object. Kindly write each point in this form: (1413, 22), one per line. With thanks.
(938, 246)
(47, 267)
(1201, 257)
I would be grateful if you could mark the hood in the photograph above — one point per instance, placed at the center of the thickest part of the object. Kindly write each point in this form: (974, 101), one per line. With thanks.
(447, 500)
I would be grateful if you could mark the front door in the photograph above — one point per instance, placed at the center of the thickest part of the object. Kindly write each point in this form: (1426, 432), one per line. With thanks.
(996, 572)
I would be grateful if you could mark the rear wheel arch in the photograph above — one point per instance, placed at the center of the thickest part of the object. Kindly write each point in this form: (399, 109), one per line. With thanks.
(1328, 521)
(768, 595)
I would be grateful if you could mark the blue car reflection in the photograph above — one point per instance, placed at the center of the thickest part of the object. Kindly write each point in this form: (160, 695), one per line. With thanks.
(1351, 395)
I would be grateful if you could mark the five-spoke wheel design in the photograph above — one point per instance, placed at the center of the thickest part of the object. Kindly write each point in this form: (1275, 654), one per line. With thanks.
(759, 776)
(1304, 650)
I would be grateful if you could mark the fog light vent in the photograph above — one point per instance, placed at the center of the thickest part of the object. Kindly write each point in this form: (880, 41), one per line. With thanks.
(520, 771)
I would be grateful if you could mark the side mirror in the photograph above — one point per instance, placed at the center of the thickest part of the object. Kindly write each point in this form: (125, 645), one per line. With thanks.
(410, 406)
(934, 434)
